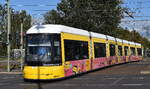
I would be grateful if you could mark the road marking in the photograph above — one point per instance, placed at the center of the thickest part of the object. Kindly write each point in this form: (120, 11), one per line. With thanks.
(141, 78)
(132, 84)
(64, 85)
(111, 78)
(94, 84)
(145, 72)
(70, 84)
(73, 85)
(8, 77)
(27, 84)
(81, 78)
(116, 82)
(107, 78)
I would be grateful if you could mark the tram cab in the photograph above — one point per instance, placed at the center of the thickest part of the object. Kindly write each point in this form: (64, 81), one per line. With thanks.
(43, 53)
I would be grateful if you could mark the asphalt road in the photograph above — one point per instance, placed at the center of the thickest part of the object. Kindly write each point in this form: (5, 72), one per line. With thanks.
(134, 75)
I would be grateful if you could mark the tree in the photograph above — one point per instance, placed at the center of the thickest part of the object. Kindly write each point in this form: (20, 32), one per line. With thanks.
(135, 36)
(2, 30)
(145, 42)
(132, 36)
(16, 19)
(102, 16)
(52, 17)
(123, 33)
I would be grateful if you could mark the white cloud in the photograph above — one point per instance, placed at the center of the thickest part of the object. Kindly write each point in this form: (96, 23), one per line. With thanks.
(137, 25)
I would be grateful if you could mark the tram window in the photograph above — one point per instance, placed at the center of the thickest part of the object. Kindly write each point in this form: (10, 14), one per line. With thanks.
(139, 50)
(112, 50)
(132, 51)
(39, 39)
(76, 50)
(100, 50)
(126, 50)
(44, 50)
(56, 51)
(119, 50)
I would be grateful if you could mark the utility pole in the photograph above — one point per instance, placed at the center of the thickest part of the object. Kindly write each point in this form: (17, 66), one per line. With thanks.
(21, 39)
(8, 34)
(21, 43)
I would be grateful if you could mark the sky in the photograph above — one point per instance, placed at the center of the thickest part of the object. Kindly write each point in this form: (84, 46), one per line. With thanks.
(33, 7)
(140, 10)
(141, 14)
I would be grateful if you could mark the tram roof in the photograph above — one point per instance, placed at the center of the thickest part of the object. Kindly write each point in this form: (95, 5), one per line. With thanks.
(138, 44)
(98, 35)
(111, 38)
(125, 41)
(52, 28)
(119, 40)
(131, 43)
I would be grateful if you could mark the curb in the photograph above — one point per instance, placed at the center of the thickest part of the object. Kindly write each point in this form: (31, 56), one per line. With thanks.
(11, 73)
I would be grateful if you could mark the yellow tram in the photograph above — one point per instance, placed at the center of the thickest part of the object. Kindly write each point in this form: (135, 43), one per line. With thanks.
(58, 51)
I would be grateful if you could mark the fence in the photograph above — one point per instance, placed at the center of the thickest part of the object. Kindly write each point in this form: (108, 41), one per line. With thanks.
(15, 61)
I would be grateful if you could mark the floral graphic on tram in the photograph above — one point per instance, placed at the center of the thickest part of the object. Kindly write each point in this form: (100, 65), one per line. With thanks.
(75, 67)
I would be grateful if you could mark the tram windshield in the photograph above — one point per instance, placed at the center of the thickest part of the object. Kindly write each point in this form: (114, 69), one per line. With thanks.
(43, 49)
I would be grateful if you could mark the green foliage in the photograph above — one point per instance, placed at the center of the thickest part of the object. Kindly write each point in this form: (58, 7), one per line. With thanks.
(145, 42)
(52, 17)
(132, 36)
(101, 16)
(123, 34)
(93, 15)
(2, 30)
(16, 19)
